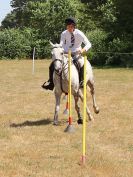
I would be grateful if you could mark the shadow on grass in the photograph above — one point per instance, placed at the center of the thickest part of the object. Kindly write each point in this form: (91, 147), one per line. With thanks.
(32, 123)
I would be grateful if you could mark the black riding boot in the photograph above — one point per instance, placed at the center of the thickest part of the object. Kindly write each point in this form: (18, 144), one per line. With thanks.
(49, 85)
(81, 77)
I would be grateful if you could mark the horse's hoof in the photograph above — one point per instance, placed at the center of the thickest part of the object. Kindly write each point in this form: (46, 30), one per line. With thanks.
(91, 118)
(55, 123)
(96, 110)
(80, 121)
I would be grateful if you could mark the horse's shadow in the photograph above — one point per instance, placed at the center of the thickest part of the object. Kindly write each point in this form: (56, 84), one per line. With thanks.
(32, 123)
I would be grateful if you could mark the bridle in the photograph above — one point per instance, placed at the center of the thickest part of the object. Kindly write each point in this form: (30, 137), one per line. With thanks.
(61, 60)
(58, 73)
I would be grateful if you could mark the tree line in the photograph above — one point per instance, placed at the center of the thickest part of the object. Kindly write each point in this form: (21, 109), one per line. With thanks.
(108, 24)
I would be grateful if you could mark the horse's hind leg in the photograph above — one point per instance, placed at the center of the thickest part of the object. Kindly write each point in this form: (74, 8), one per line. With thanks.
(87, 109)
(92, 90)
(77, 108)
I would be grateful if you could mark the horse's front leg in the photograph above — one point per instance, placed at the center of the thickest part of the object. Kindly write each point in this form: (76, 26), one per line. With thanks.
(87, 109)
(57, 107)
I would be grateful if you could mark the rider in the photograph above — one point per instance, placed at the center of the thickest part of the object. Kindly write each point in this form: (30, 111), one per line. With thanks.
(71, 38)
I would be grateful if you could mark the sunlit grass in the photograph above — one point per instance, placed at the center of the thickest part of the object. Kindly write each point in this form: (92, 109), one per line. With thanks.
(31, 146)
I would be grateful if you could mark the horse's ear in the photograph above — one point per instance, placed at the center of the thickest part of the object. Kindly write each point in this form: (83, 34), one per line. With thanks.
(61, 45)
(51, 44)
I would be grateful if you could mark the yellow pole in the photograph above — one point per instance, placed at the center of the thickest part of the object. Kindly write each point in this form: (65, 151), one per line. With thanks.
(84, 114)
(69, 128)
(70, 91)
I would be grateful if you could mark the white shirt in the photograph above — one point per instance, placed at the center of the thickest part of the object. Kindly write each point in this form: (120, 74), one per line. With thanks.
(80, 38)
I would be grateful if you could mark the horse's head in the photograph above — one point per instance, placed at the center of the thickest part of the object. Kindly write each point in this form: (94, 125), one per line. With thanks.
(57, 56)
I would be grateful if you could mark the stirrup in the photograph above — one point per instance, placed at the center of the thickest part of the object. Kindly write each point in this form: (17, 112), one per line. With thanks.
(48, 85)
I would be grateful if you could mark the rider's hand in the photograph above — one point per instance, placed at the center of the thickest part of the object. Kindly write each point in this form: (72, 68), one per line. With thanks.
(81, 51)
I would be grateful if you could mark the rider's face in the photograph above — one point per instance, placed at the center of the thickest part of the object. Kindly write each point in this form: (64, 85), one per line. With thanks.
(70, 28)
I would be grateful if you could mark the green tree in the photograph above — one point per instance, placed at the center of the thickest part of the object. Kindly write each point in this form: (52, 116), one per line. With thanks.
(15, 43)
(19, 6)
(9, 21)
(49, 17)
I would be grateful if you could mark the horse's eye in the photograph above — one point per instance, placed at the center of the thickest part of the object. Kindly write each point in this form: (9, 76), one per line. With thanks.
(61, 53)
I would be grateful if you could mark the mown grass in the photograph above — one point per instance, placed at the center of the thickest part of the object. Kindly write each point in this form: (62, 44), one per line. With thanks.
(30, 146)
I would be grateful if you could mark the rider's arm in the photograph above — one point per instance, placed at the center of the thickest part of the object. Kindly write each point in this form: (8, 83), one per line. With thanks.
(86, 43)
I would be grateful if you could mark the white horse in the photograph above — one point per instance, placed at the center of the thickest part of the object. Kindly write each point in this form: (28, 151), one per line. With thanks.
(61, 82)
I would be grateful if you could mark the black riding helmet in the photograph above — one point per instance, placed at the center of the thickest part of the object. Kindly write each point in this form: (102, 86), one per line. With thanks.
(70, 21)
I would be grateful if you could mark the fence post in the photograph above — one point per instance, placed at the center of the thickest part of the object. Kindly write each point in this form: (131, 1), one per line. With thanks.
(33, 61)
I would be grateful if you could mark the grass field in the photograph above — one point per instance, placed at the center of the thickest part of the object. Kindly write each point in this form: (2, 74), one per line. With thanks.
(30, 146)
